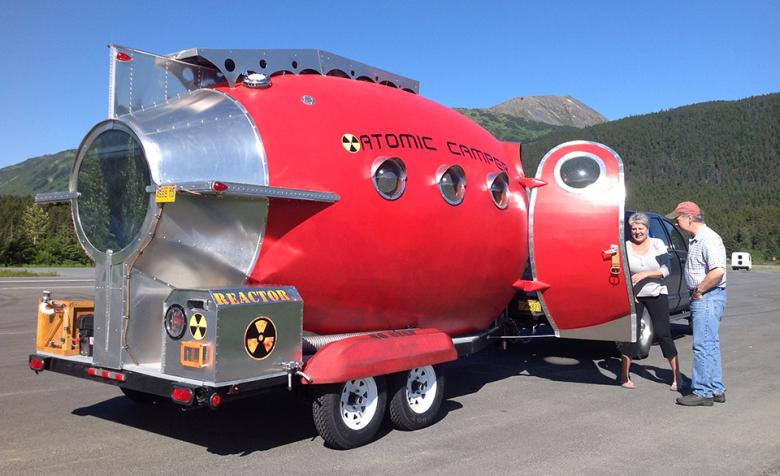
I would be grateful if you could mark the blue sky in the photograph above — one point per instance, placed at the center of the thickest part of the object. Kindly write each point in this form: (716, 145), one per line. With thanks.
(622, 58)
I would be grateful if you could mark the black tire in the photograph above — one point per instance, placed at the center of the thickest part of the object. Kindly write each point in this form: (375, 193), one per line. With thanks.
(142, 398)
(415, 397)
(331, 414)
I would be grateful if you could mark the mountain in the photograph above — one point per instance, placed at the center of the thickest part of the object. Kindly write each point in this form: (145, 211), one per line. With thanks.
(509, 127)
(724, 155)
(47, 173)
(553, 110)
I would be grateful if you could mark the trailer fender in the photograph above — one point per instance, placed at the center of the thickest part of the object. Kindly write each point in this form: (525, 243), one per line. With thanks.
(380, 353)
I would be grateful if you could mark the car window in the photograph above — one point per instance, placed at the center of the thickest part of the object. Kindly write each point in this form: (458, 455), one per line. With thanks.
(678, 242)
(657, 231)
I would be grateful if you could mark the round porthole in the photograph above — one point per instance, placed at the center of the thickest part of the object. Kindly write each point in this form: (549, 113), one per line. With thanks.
(498, 186)
(389, 176)
(452, 183)
(578, 170)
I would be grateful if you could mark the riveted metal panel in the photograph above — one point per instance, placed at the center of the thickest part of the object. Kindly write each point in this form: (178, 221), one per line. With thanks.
(226, 327)
(147, 296)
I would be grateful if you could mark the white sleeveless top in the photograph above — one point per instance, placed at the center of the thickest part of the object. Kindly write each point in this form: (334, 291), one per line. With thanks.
(656, 259)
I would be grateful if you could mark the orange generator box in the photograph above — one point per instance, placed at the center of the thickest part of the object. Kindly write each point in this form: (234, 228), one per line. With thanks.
(59, 323)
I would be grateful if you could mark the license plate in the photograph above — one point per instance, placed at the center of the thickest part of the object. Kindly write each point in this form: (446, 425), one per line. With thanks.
(531, 305)
(165, 194)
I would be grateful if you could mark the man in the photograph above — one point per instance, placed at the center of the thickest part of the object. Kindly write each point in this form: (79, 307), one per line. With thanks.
(705, 274)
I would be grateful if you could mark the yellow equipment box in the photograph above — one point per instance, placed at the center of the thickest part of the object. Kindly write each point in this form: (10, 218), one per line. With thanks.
(57, 331)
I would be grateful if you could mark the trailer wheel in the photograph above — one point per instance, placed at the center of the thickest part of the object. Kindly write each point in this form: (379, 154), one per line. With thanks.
(142, 398)
(416, 397)
(349, 415)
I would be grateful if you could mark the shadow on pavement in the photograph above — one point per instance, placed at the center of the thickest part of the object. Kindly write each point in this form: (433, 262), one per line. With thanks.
(280, 418)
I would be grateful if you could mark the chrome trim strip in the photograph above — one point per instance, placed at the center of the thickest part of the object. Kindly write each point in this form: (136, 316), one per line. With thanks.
(252, 191)
(55, 197)
(531, 255)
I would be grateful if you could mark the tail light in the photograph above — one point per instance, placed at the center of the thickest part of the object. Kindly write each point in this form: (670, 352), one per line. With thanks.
(37, 364)
(182, 395)
(215, 400)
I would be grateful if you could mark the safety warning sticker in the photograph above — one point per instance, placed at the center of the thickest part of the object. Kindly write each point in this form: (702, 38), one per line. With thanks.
(198, 326)
(351, 143)
(260, 338)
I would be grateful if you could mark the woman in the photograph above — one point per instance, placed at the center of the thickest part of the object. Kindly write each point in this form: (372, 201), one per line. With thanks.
(649, 265)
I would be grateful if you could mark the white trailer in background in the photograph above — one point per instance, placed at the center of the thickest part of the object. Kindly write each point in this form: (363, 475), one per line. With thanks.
(741, 260)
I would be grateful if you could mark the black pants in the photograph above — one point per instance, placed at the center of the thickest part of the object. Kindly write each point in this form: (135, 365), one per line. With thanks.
(658, 307)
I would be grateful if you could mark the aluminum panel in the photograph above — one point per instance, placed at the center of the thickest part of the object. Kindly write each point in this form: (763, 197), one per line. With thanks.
(203, 242)
(226, 326)
(109, 313)
(143, 339)
(203, 135)
(236, 62)
(142, 80)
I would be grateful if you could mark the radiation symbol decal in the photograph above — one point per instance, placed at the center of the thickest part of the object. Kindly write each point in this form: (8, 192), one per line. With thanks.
(351, 143)
(198, 326)
(260, 338)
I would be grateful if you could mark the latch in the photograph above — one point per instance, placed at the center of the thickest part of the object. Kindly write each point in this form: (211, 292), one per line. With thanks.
(294, 368)
(612, 253)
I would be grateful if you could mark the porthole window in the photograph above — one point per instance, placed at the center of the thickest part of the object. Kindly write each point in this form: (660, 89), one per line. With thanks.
(389, 177)
(579, 170)
(498, 186)
(452, 183)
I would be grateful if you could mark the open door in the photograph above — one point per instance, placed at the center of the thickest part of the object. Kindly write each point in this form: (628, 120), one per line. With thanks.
(577, 245)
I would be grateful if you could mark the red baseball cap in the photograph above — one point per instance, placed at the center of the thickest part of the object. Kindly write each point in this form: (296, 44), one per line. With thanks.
(684, 208)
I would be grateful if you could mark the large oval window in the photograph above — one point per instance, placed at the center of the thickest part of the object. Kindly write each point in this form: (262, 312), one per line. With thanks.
(579, 171)
(389, 177)
(498, 185)
(111, 182)
(452, 183)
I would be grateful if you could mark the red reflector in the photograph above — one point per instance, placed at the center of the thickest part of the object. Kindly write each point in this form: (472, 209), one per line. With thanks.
(123, 56)
(36, 364)
(118, 377)
(219, 187)
(215, 400)
(181, 395)
(105, 374)
(92, 371)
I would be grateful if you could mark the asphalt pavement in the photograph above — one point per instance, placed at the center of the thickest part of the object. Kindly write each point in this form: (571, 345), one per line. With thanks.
(546, 407)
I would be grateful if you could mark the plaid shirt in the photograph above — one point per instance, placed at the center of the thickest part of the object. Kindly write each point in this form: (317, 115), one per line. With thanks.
(705, 252)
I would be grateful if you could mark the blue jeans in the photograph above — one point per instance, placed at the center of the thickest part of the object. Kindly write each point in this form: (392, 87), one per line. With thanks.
(707, 373)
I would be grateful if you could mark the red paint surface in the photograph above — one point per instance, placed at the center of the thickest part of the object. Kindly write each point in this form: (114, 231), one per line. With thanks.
(379, 354)
(570, 231)
(366, 263)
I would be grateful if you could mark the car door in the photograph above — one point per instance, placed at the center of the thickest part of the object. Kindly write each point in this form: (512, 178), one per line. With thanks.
(678, 254)
(658, 230)
(576, 241)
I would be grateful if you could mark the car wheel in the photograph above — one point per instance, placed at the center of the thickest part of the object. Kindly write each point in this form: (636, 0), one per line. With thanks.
(416, 397)
(349, 414)
(645, 339)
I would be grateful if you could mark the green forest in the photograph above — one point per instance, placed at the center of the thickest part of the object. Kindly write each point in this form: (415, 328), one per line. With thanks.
(724, 155)
(31, 234)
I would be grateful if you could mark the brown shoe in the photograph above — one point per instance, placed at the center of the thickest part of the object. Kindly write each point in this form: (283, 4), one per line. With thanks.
(719, 398)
